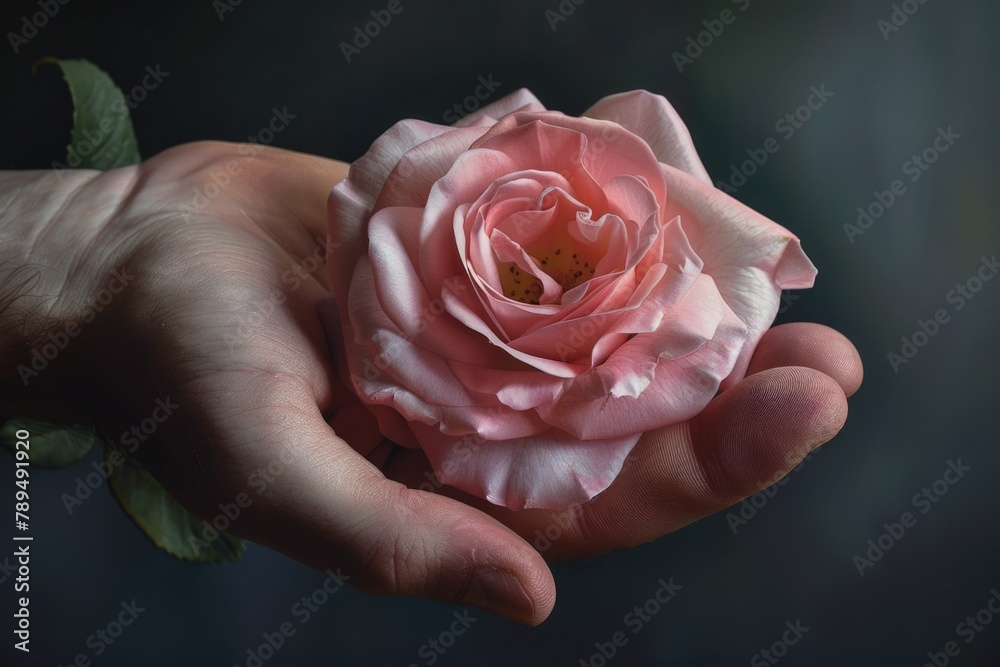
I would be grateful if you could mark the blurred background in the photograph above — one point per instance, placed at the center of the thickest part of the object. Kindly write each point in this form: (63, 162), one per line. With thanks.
(910, 95)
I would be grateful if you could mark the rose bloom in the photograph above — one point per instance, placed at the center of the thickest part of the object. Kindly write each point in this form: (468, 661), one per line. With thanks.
(523, 294)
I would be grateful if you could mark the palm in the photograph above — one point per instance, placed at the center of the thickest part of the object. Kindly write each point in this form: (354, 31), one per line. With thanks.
(221, 320)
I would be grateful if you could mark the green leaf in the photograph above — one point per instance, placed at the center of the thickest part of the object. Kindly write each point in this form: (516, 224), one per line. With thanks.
(102, 136)
(170, 526)
(50, 444)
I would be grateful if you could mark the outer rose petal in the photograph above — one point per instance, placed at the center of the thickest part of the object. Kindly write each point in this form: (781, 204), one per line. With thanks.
(388, 369)
(370, 172)
(410, 182)
(521, 99)
(351, 201)
(550, 471)
(652, 118)
(750, 257)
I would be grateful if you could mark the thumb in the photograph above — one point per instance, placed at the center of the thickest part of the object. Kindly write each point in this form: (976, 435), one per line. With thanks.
(329, 507)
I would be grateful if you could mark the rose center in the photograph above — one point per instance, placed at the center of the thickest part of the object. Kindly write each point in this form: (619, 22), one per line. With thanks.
(562, 262)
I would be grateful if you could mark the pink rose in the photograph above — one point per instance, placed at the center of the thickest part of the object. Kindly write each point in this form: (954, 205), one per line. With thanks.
(530, 292)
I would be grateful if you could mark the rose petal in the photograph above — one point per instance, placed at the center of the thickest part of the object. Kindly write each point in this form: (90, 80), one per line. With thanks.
(550, 471)
(461, 310)
(609, 149)
(750, 257)
(410, 181)
(655, 120)
(347, 210)
(370, 171)
(517, 389)
(521, 99)
(680, 388)
(351, 201)
(388, 368)
(392, 271)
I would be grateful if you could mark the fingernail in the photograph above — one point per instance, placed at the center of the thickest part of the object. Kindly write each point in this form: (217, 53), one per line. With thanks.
(500, 592)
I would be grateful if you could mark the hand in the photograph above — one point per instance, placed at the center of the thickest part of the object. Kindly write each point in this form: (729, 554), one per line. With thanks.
(220, 316)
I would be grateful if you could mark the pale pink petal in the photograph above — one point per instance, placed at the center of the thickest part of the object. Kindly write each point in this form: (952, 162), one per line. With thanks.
(655, 120)
(378, 352)
(550, 471)
(544, 146)
(680, 388)
(370, 171)
(387, 368)
(520, 100)
(609, 150)
(347, 211)
(410, 181)
(638, 309)
(352, 200)
(461, 310)
(631, 199)
(392, 270)
(517, 389)
(468, 178)
(750, 257)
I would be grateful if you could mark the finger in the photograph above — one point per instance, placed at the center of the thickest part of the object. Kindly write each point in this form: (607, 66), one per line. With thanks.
(327, 507)
(746, 439)
(813, 346)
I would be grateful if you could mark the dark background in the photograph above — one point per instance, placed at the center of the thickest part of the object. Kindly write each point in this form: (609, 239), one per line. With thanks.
(793, 560)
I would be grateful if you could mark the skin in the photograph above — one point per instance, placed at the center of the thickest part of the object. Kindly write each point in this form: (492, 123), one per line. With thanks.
(343, 496)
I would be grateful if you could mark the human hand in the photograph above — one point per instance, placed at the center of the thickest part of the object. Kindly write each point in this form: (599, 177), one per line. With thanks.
(220, 316)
